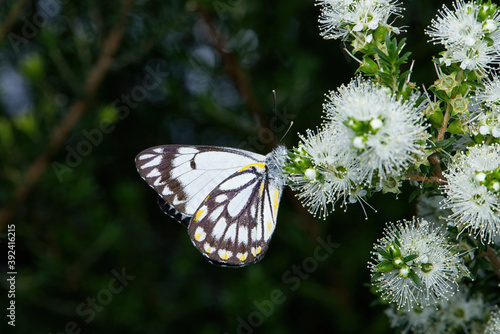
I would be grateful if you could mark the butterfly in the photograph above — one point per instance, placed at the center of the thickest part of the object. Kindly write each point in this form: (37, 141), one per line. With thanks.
(228, 198)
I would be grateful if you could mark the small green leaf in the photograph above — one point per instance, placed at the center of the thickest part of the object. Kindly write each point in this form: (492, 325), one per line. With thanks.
(410, 257)
(415, 193)
(368, 66)
(384, 267)
(442, 95)
(446, 142)
(383, 252)
(455, 127)
(396, 241)
(414, 277)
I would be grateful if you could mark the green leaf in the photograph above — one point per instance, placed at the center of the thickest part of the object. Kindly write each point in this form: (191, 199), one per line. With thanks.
(445, 142)
(410, 257)
(383, 252)
(442, 95)
(396, 240)
(384, 266)
(414, 277)
(369, 66)
(415, 193)
(455, 127)
(385, 58)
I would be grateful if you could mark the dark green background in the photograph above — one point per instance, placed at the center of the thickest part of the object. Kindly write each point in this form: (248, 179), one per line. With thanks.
(81, 223)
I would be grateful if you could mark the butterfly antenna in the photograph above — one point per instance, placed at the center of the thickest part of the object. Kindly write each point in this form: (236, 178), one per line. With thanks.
(276, 114)
(275, 110)
(289, 127)
(274, 99)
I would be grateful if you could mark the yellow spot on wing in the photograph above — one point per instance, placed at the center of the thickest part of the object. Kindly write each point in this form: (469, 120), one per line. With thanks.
(199, 234)
(209, 249)
(276, 196)
(261, 189)
(242, 257)
(258, 164)
(256, 251)
(269, 226)
(198, 214)
(224, 256)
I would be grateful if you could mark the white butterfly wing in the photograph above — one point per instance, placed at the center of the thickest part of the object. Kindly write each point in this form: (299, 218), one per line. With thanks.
(234, 224)
(183, 176)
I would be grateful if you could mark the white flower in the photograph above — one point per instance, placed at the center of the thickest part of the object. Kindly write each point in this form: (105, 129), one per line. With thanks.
(493, 325)
(416, 319)
(461, 312)
(414, 264)
(368, 140)
(369, 122)
(457, 27)
(489, 123)
(328, 176)
(471, 41)
(475, 204)
(485, 109)
(339, 18)
(315, 194)
(476, 57)
(490, 94)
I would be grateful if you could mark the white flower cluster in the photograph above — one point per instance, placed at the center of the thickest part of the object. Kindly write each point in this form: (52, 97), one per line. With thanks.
(460, 312)
(331, 174)
(383, 132)
(473, 191)
(415, 265)
(369, 138)
(373, 137)
(356, 18)
(470, 33)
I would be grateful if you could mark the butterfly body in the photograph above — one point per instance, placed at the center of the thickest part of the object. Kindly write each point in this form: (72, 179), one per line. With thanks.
(228, 198)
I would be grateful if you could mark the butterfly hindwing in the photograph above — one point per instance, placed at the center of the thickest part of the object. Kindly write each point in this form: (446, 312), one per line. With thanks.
(234, 224)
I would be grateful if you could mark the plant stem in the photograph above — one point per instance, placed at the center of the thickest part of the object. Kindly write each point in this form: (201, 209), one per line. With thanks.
(428, 179)
(444, 126)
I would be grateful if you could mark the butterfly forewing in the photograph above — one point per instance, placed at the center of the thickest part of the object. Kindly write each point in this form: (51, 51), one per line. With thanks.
(184, 175)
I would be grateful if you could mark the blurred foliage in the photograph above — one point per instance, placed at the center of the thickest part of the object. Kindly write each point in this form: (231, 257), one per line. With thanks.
(90, 217)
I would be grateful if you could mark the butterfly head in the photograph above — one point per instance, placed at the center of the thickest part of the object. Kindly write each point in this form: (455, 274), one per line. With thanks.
(276, 160)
